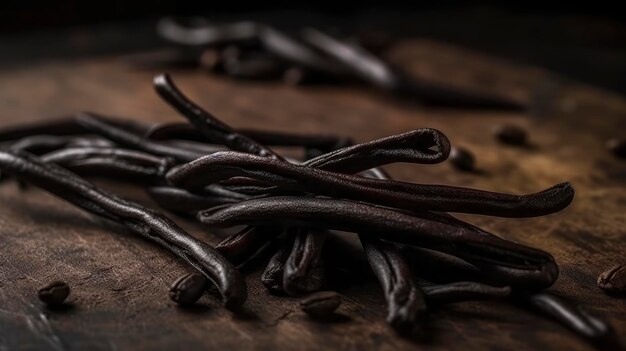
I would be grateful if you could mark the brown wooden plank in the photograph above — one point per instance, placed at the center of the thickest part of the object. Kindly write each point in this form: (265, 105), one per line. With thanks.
(120, 282)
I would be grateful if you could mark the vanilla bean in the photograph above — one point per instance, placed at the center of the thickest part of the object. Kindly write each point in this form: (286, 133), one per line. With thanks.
(413, 197)
(572, 317)
(144, 222)
(388, 224)
(99, 125)
(207, 124)
(304, 270)
(186, 131)
(405, 300)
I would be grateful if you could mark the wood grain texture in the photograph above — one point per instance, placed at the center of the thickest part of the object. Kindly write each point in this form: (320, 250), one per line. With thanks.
(119, 282)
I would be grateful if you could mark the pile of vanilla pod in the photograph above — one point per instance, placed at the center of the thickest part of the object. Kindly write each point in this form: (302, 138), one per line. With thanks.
(258, 51)
(226, 177)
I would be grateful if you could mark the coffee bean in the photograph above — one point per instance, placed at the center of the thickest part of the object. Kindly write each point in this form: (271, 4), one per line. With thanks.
(617, 147)
(187, 289)
(321, 304)
(613, 280)
(462, 159)
(511, 134)
(54, 294)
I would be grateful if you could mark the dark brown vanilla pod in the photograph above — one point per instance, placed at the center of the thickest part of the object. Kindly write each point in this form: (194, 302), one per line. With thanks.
(116, 162)
(99, 125)
(42, 144)
(272, 277)
(405, 300)
(373, 70)
(206, 123)
(388, 224)
(305, 271)
(186, 131)
(425, 145)
(54, 127)
(531, 277)
(593, 329)
(66, 126)
(144, 222)
(464, 291)
(414, 197)
(183, 202)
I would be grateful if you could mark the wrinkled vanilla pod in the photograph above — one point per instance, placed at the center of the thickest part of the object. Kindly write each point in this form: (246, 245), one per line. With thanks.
(147, 223)
(214, 129)
(494, 273)
(186, 131)
(42, 144)
(99, 125)
(391, 225)
(207, 124)
(272, 277)
(119, 163)
(405, 300)
(66, 126)
(304, 268)
(414, 197)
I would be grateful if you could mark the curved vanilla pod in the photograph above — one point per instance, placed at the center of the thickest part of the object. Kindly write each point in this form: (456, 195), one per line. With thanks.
(186, 131)
(388, 224)
(414, 197)
(183, 202)
(272, 277)
(42, 144)
(213, 128)
(464, 291)
(76, 155)
(405, 299)
(406, 303)
(144, 222)
(206, 123)
(531, 277)
(99, 125)
(595, 330)
(304, 270)
(424, 145)
(374, 71)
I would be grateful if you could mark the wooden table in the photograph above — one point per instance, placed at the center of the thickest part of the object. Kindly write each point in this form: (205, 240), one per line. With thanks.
(120, 283)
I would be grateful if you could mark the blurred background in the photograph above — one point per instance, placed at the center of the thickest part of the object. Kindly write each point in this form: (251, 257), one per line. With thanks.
(585, 42)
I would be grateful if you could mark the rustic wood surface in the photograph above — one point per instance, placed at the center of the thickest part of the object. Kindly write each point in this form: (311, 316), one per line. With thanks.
(120, 283)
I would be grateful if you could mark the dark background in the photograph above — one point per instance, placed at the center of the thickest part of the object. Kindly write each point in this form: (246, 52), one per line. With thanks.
(585, 42)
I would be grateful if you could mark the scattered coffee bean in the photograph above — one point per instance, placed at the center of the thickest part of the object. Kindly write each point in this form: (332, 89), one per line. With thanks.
(613, 280)
(617, 147)
(321, 304)
(187, 289)
(54, 294)
(462, 159)
(511, 134)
